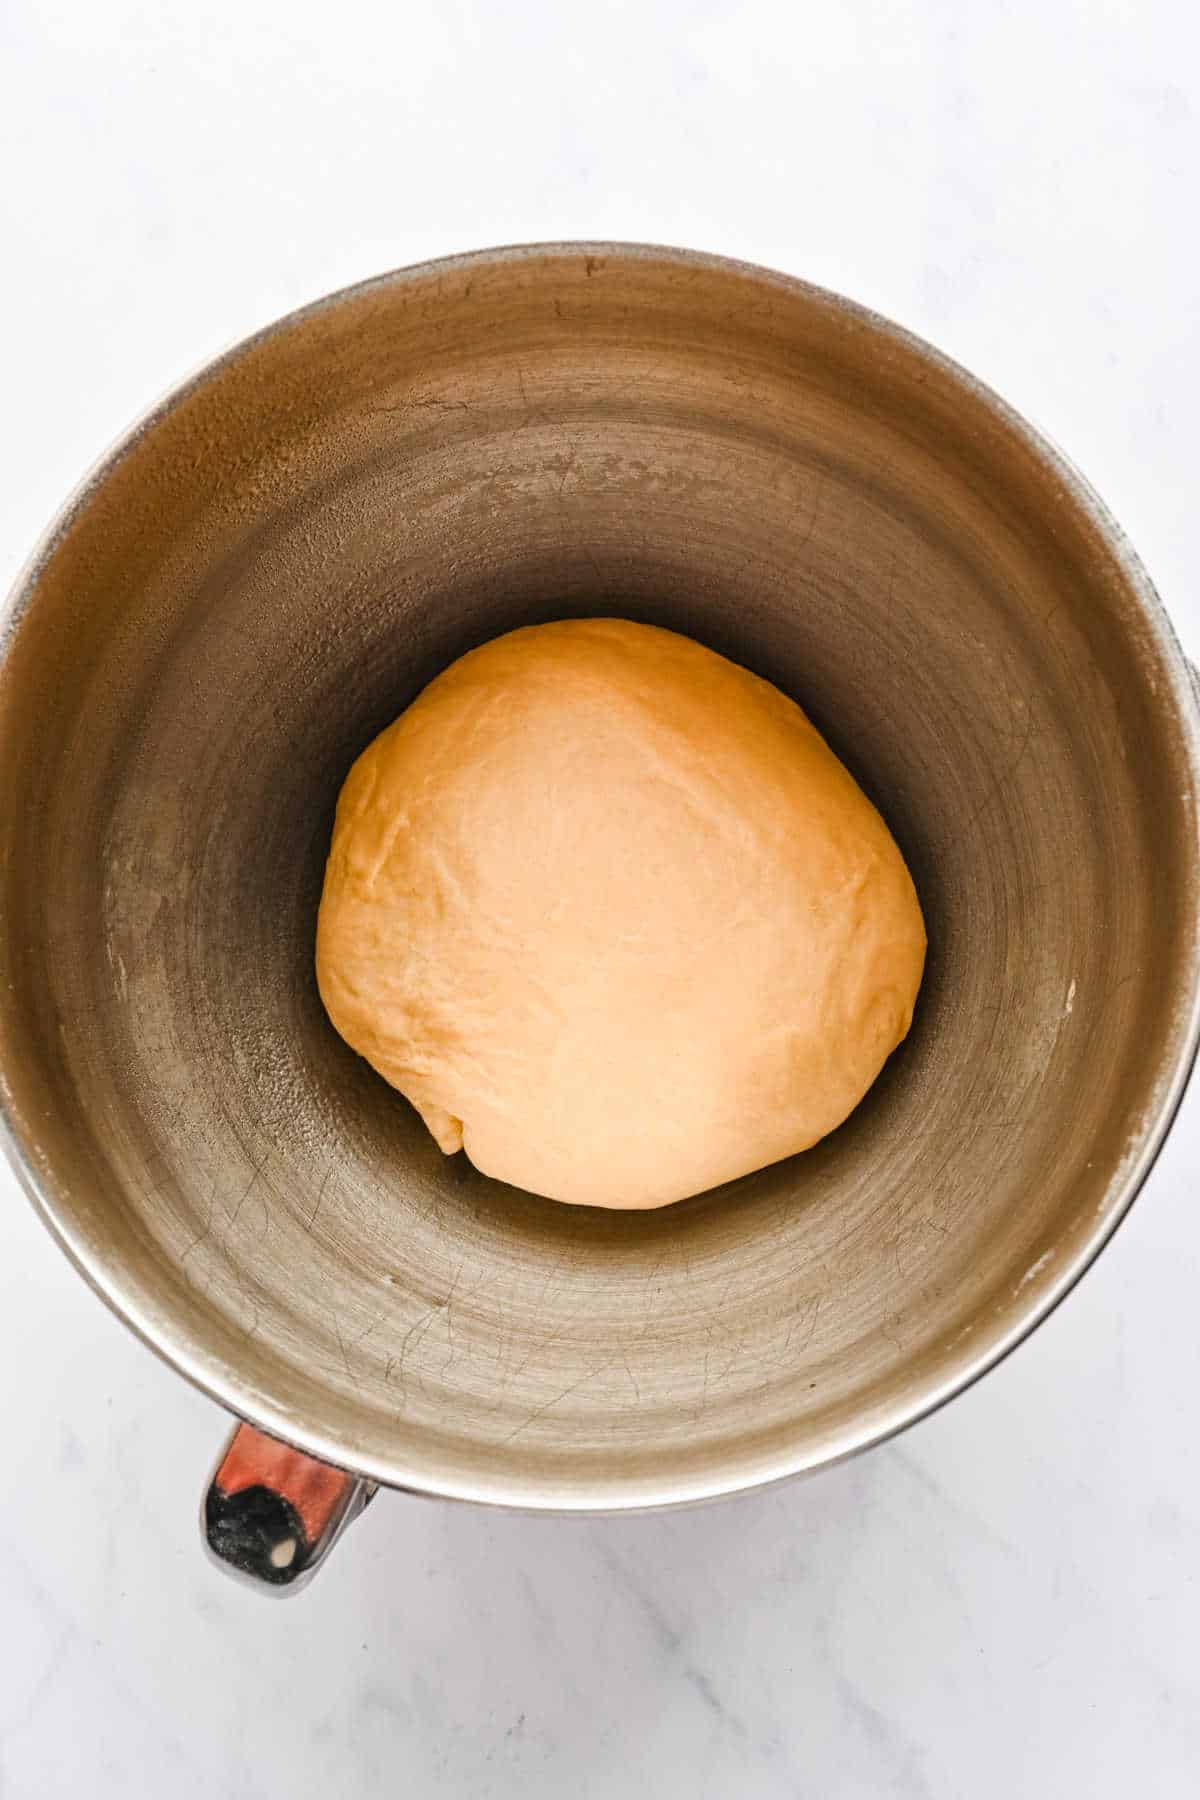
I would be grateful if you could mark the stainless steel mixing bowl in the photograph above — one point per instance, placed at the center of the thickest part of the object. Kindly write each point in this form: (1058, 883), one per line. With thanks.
(272, 565)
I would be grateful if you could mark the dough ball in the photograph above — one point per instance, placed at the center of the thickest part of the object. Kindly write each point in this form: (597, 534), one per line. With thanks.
(608, 910)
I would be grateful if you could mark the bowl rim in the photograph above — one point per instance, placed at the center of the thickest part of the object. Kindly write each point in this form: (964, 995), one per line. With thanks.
(206, 1370)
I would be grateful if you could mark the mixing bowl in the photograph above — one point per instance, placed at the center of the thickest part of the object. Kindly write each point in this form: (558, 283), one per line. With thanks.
(270, 567)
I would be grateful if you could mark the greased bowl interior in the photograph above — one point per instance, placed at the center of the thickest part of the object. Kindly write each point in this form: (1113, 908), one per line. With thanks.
(273, 564)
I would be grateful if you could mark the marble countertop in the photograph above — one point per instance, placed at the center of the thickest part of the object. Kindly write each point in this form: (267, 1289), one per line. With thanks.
(1006, 1601)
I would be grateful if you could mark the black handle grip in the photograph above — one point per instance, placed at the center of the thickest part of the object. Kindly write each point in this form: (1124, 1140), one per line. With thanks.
(272, 1514)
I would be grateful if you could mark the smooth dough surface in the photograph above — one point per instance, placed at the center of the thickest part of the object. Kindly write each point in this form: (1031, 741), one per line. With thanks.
(608, 910)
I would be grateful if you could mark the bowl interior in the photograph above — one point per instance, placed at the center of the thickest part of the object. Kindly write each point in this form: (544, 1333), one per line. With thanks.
(273, 567)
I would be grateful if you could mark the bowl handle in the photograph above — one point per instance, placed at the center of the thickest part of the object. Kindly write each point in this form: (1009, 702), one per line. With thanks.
(271, 1514)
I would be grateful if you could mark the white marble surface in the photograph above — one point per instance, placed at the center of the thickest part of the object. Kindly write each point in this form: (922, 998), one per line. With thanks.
(1007, 1602)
